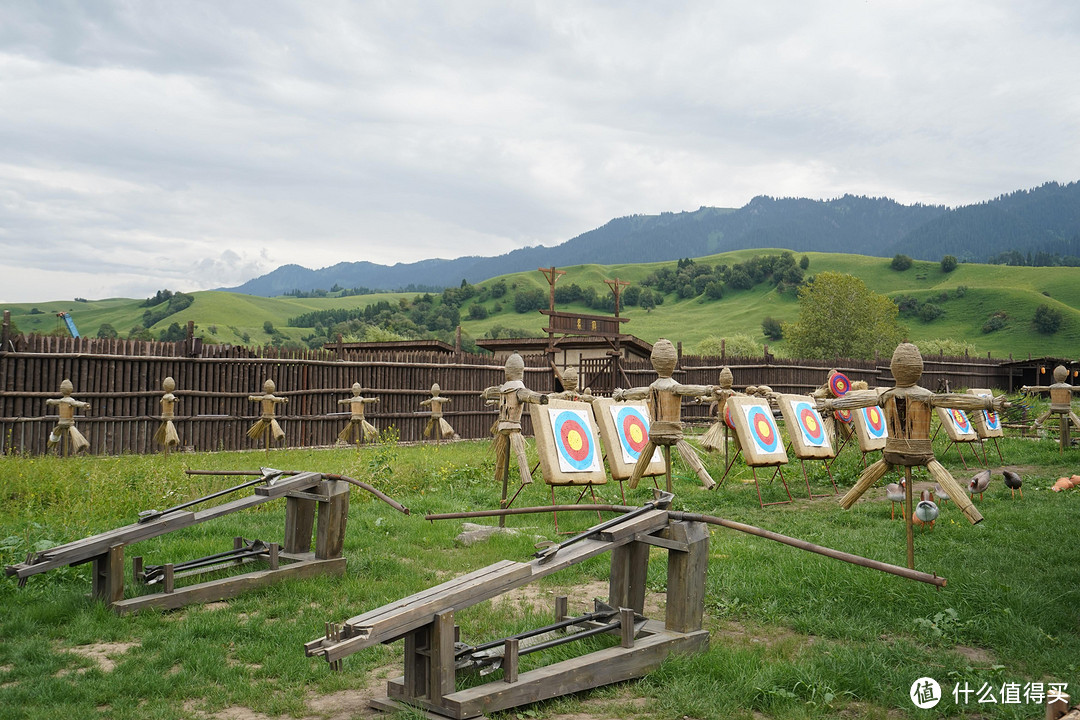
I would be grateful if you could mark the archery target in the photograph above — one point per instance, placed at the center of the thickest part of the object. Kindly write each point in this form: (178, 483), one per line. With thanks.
(632, 429)
(875, 422)
(809, 436)
(839, 384)
(987, 422)
(843, 416)
(624, 431)
(567, 444)
(756, 432)
(727, 417)
(957, 425)
(575, 443)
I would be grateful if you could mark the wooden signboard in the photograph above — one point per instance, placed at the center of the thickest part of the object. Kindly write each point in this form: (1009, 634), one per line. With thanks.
(624, 430)
(957, 425)
(870, 428)
(756, 432)
(809, 436)
(567, 443)
(987, 422)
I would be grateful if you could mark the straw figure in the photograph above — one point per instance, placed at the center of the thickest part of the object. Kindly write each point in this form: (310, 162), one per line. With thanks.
(358, 425)
(569, 379)
(166, 434)
(436, 424)
(665, 408)
(1060, 404)
(512, 397)
(267, 426)
(907, 409)
(65, 425)
(714, 437)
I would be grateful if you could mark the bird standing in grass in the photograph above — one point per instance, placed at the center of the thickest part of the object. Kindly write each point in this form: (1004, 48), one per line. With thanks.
(1013, 482)
(979, 482)
(926, 511)
(894, 493)
(940, 494)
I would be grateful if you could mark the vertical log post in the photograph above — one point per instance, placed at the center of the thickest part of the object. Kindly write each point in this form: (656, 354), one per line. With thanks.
(686, 577)
(108, 575)
(333, 512)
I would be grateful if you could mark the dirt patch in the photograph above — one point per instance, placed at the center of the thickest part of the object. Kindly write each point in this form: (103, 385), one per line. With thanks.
(211, 606)
(768, 637)
(353, 703)
(6, 668)
(977, 656)
(102, 654)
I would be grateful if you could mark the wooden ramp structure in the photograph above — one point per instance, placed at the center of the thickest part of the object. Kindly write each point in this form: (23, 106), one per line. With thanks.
(314, 502)
(433, 654)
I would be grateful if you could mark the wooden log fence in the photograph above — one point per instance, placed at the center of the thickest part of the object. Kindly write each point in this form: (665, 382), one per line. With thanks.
(122, 380)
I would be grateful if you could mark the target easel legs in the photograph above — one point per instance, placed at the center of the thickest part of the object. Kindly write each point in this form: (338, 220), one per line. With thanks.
(590, 488)
(806, 477)
(779, 471)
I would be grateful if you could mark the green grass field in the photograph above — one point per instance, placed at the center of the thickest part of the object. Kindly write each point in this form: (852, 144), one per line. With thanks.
(793, 634)
(228, 317)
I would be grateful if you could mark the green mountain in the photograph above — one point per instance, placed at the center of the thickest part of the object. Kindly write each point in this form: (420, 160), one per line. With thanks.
(967, 299)
(1026, 222)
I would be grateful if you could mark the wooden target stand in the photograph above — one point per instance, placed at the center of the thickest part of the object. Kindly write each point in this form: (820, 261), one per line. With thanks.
(960, 431)
(624, 431)
(312, 503)
(808, 437)
(988, 425)
(568, 447)
(434, 654)
(757, 440)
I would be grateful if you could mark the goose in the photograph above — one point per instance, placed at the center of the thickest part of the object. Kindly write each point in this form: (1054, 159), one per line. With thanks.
(894, 493)
(979, 482)
(940, 494)
(926, 511)
(1013, 482)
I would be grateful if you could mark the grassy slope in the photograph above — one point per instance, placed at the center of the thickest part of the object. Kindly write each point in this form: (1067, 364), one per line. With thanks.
(990, 288)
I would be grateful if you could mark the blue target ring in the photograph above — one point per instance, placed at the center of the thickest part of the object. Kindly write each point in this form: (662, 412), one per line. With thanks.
(875, 422)
(633, 430)
(763, 430)
(574, 441)
(813, 429)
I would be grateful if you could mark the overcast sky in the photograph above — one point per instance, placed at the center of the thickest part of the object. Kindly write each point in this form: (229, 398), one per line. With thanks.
(191, 145)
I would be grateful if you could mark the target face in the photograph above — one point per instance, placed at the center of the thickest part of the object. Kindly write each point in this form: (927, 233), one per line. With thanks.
(960, 420)
(632, 427)
(575, 443)
(990, 418)
(810, 425)
(763, 431)
(843, 416)
(727, 417)
(875, 422)
(839, 384)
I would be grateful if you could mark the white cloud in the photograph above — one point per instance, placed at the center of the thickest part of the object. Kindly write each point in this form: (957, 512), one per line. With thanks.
(184, 145)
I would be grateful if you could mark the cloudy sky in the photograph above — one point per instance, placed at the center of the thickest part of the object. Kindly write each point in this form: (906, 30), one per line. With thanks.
(191, 145)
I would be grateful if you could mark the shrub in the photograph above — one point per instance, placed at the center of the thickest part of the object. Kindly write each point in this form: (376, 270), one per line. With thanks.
(738, 345)
(1047, 320)
(945, 346)
(900, 262)
(929, 312)
(948, 263)
(961, 291)
(995, 322)
(804, 262)
(477, 312)
(529, 300)
(772, 328)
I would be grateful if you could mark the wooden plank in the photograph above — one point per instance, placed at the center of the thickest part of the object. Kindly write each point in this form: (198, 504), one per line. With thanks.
(648, 522)
(108, 575)
(224, 588)
(594, 670)
(330, 536)
(442, 673)
(629, 566)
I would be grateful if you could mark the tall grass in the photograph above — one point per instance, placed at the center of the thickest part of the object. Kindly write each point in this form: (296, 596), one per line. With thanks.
(793, 634)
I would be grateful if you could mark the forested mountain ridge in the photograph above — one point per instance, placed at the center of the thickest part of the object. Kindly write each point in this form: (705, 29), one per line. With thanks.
(1024, 223)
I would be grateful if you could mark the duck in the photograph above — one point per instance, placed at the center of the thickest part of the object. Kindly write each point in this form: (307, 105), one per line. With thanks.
(940, 494)
(926, 511)
(979, 482)
(1013, 482)
(894, 493)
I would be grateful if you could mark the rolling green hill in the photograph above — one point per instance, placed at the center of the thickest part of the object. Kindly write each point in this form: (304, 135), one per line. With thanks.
(968, 296)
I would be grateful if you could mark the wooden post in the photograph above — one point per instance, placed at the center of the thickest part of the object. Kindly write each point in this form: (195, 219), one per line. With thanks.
(330, 534)
(909, 508)
(629, 568)
(170, 579)
(686, 576)
(561, 608)
(108, 575)
(510, 660)
(299, 523)
(626, 627)
(1057, 707)
(441, 669)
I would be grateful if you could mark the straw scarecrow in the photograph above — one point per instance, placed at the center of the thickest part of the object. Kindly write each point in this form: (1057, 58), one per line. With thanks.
(569, 379)
(436, 424)
(65, 425)
(512, 397)
(267, 426)
(665, 408)
(713, 439)
(907, 412)
(1060, 403)
(166, 433)
(358, 424)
